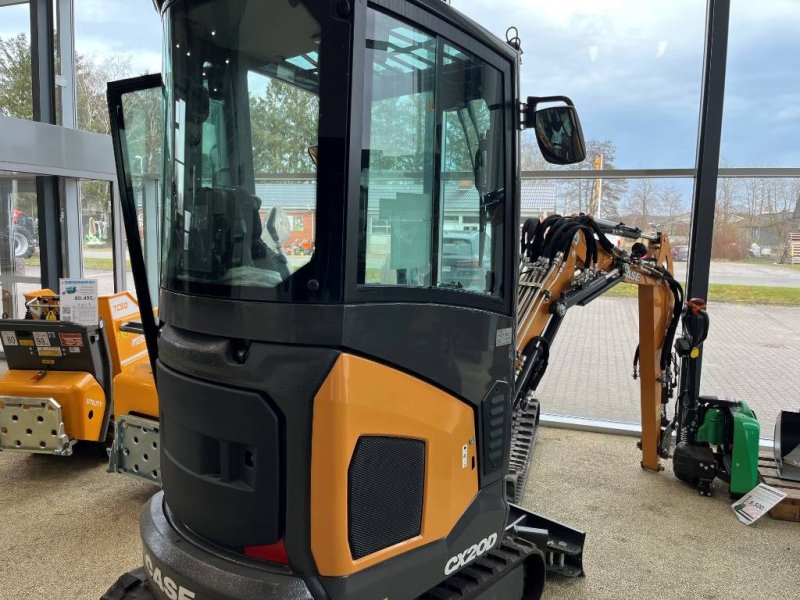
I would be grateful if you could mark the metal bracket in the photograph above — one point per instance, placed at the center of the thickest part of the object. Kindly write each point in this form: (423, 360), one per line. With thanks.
(33, 425)
(136, 450)
(564, 547)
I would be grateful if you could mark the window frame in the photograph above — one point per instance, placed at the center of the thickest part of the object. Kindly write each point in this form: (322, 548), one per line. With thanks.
(461, 34)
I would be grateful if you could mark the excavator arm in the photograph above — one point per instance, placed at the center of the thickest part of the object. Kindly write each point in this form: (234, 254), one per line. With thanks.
(569, 261)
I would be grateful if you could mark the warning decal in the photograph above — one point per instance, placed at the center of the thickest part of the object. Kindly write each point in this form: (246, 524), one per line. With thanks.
(49, 351)
(71, 339)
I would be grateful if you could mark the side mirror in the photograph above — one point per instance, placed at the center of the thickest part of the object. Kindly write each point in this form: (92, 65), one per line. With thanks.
(558, 130)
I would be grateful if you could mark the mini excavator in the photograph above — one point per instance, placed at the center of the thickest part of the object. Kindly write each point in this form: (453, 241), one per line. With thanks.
(69, 383)
(355, 421)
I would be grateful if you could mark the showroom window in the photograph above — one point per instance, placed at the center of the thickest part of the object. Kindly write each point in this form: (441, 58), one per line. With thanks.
(633, 69)
(16, 99)
(115, 39)
(761, 121)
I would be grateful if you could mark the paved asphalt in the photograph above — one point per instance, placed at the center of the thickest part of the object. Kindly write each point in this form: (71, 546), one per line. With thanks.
(747, 274)
(752, 354)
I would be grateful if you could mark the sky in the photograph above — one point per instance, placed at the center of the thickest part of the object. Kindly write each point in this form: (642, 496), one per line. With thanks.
(633, 67)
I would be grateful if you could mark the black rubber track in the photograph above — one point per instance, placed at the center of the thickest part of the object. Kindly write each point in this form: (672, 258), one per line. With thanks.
(469, 583)
(131, 586)
(523, 437)
(480, 576)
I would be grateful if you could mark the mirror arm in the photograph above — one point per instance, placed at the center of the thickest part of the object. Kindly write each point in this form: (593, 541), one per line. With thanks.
(526, 116)
(528, 109)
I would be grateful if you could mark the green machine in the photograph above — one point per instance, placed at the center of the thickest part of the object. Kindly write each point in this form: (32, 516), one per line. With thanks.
(715, 438)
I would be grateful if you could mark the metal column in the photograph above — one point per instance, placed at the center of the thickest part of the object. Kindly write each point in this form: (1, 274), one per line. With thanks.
(70, 192)
(44, 111)
(66, 78)
(708, 149)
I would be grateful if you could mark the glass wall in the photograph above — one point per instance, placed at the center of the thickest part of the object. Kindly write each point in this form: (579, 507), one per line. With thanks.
(634, 71)
(590, 372)
(114, 39)
(754, 296)
(97, 239)
(632, 68)
(19, 241)
(761, 122)
(15, 62)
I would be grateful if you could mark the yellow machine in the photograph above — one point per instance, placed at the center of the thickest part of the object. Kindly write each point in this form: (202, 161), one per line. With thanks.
(134, 450)
(70, 383)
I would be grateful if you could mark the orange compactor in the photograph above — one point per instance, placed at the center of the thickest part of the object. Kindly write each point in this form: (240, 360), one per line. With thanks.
(69, 383)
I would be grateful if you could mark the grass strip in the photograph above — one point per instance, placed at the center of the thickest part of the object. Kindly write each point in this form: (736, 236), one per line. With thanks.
(737, 294)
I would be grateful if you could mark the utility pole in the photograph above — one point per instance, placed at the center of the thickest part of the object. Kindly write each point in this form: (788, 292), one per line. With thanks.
(597, 191)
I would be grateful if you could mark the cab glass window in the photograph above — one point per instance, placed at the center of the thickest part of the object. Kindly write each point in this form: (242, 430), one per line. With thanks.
(432, 190)
(244, 115)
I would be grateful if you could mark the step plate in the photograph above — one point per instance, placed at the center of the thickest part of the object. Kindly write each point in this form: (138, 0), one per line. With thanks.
(136, 450)
(33, 425)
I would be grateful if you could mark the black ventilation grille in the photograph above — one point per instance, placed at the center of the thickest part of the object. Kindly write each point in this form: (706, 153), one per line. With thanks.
(385, 486)
(495, 426)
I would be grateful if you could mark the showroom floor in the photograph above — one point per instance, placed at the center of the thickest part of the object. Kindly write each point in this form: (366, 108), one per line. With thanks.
(69, 528)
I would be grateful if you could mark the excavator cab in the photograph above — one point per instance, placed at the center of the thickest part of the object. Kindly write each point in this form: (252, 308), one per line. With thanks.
(335, 372)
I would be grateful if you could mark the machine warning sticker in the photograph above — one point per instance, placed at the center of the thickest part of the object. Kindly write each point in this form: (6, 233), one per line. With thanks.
(49, 351)
(503, 337)
(9, 338)
(41, 338)
(71, 339)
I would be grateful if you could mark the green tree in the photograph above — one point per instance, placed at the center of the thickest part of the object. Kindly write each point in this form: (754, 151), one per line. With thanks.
(16, 99)
(284, 120)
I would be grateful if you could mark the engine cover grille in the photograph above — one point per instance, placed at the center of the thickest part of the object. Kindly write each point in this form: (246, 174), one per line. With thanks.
(386, 482)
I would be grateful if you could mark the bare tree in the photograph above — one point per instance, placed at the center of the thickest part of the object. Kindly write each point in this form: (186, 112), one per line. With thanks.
(92, 77)
(669, 205)
(577, 193)
(638, 205)
(531, 158)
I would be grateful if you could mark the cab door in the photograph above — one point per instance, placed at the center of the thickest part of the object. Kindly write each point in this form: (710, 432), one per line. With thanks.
(136, 113)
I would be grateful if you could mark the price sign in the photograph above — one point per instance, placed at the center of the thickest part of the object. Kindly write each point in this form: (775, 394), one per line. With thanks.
(78, 299)
(755, 504)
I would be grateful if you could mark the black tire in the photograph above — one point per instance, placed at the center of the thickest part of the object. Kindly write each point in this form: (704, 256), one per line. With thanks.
(131, 586)
(24, 243)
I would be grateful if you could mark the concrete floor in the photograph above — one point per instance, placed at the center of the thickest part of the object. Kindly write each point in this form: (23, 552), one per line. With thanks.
(68, 529)
(649, 535)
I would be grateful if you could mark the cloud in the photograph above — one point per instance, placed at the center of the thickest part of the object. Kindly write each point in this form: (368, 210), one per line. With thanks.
(111, 27)
(14, 19)
(634, 70)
